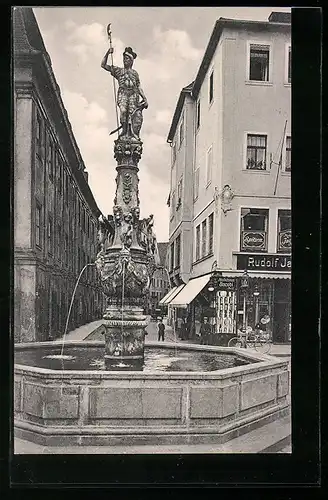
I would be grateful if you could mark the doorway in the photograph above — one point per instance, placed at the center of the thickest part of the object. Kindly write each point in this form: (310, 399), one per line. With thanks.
(282, 312)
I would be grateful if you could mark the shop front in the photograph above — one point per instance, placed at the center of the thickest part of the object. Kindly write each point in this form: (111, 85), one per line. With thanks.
(268, 297)
(228, 306)
(191, 305)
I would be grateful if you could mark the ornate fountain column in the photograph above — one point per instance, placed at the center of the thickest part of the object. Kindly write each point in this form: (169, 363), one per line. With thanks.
(128, 247)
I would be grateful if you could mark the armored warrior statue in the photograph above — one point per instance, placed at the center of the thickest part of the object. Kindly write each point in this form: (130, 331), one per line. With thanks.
(129, 93)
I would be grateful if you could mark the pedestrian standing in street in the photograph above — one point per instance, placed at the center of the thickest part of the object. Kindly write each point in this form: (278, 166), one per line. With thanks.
(205, 331)
(161, 330)
(179, 327)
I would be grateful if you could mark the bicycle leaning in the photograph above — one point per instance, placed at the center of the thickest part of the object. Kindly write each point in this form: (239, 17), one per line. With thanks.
(258, 340)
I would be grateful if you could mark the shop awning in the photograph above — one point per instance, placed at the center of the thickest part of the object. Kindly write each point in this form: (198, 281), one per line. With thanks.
(172, 293)
(190, 291)
(164, 299)
(257, 274)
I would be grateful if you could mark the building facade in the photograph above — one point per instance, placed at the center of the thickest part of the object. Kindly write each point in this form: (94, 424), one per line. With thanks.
(160, 284)
(55, 214)
(237, 149)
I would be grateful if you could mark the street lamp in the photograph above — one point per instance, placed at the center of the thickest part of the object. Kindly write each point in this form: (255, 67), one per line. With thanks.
(213, 283)
(256, 294)
(244, 286)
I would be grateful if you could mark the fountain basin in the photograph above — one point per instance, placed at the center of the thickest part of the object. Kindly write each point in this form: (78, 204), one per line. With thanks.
(98, 407)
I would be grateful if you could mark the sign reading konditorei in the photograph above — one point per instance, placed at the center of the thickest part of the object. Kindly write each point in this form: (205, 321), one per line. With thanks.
(270, 262)
(253, 240)
(226, 284)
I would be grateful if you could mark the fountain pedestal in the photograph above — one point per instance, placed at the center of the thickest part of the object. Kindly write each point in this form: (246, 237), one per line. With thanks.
(126, 262)
(124, 338)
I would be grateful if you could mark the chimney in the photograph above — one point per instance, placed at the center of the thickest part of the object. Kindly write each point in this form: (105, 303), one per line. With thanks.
(280, 17)
(86, 175)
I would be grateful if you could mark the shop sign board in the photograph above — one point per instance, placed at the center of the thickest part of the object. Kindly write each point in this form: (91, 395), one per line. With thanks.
(253, 240)
(285, 240)
(269, 262)
(226, 284)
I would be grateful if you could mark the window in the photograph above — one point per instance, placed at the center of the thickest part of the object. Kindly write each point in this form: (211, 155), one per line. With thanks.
(259, 63)
(256, 152)
(284, 231)
(254, 229)
(174, 152)
(61, 168)
(172, 204)
(289, 65)
(179, 193)
(50, 235)
(288, 164)
(177, 251)
(198, 242)
(50, 158)
(198, 115)
(210, 233)
(66, 188)
(38, 135)
(66, 248)
(209, 166)
(38, 224)
(204, 237)
(59, 244)
(196, 183)
(181, 132)
(79, 212)
(172, 256)
(210, 96)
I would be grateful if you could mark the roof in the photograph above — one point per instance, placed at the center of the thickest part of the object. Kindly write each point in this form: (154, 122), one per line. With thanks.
(216, 34)
(21, 42)
(277, 20)
(162, 250)
(27, 40)
(186, 90)
(280, 17)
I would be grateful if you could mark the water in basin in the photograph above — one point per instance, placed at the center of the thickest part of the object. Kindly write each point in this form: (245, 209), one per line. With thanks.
(155, 359)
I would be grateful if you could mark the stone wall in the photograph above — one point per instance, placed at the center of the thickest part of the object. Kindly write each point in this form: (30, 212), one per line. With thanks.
(110, 407)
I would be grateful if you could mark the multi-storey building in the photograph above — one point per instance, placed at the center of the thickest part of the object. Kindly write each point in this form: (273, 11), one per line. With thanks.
(55, 214)
(231, 135)
(160, 280)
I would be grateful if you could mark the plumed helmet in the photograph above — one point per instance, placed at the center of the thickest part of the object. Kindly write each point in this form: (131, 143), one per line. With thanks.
(129, 52)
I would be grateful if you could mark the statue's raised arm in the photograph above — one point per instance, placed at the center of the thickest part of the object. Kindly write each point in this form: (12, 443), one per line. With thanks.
(128, 94)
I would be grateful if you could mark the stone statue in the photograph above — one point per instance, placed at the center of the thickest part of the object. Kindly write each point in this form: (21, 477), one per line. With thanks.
(118, 215)
(106, 232)
(126, 235)
(135, 216)
(128, 95)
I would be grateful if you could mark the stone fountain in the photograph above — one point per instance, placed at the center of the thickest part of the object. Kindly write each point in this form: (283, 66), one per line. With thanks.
(128, 254)
(121, 392)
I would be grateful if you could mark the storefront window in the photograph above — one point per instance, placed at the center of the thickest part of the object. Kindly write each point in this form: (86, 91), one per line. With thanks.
(226, 310)
(259, 309)
(254, 229)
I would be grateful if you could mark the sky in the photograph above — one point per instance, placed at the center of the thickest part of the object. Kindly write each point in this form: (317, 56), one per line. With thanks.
(170, 43)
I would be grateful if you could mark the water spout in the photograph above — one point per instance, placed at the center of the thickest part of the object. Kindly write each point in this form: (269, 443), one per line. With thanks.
(71, 304)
